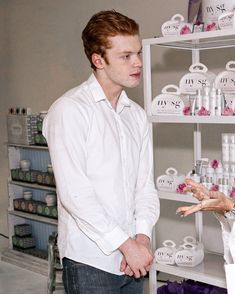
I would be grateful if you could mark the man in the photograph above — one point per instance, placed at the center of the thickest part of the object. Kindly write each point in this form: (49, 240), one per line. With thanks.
(100, 147)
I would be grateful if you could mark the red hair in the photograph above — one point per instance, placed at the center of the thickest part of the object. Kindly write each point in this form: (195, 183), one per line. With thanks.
(103, 25)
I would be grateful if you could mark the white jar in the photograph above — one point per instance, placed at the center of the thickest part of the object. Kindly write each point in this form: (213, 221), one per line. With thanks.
(27, 195)
(212, 9)
(25, 164)
(50, 199)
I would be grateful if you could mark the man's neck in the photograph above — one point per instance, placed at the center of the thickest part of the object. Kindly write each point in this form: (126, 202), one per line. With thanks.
(112, 92)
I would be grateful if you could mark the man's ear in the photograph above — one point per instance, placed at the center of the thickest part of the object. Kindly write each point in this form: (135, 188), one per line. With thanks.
(97, 60)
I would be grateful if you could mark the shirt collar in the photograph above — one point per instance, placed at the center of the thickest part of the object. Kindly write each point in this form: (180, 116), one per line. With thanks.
(99, 95)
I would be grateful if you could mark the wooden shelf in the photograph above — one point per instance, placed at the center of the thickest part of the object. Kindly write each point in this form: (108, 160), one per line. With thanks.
(210, 271)
(34, 217)
(32, 186)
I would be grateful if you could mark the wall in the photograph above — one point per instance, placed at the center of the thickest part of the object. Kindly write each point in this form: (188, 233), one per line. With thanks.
(43, 57)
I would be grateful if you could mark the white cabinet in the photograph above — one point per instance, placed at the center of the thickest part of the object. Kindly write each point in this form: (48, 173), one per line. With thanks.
(42, 225)
(211, 271)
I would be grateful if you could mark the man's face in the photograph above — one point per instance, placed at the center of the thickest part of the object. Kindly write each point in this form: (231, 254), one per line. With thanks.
(124, 61)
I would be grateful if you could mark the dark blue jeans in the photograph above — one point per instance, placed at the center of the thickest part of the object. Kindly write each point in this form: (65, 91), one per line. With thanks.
(80, 278)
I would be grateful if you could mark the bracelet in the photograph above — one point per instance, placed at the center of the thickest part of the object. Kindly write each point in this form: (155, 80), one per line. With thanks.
(231, 213)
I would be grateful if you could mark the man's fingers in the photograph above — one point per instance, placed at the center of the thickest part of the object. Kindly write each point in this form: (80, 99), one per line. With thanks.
(123, 265)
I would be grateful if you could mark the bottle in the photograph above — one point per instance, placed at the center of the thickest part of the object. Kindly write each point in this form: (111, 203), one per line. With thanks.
(218, 103)
(209, 182)
(210, 173)
(195, 177)
(212, 100)
(219, 172)
(232, 148)
(232, 175)
(225, 186)
(198, 100)
(226, 171)
(225, 147)
(206, 98)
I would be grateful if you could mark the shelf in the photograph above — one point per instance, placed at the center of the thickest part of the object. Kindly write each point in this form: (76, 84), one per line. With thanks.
(203, 40)
(35, 217)
(32, 186)
(177, 197)
(192, 119)
(37, 147)
(210, 271)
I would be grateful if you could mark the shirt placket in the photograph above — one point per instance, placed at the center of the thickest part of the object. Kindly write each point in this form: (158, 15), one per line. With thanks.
(123, 149)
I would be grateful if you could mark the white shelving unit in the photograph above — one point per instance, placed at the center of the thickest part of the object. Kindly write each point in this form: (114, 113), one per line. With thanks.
(211, 271)
(42, 226)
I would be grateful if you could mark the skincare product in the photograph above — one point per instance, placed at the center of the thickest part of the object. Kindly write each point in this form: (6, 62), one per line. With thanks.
(225, 186)
(232, 148)
(226, 171)
(206, 98)
(218, 109)
(192, 102)
(209, 182)
(195, 177)
(212, 100)
(232, 174)
(210, 173)
(198, 100)
(225, 147)
(219, 172)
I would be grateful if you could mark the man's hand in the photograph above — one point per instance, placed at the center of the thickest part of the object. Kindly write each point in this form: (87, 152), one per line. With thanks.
(137, 258)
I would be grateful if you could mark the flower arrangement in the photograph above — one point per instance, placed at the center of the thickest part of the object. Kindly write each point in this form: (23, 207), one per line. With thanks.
(180, 188)
(203, 111)
(186, 110)
(227, 111)
(214, 163)
(232, 193)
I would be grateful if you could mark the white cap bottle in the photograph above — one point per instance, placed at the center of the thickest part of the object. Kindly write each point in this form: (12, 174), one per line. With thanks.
(218, 110)
(206, 98)
(212, 100)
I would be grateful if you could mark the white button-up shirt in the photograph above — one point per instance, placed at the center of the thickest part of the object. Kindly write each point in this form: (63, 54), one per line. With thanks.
(103, 165)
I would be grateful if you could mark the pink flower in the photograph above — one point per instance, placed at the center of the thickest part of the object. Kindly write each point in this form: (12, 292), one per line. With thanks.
(227, 111)
(211, 27)
(232, 193)
(214, 188)
(185, 30)
(180, 188)
(214, 163)
(203, 112)
(186, 110)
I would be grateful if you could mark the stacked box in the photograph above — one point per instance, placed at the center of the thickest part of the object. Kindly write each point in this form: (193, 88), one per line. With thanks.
(49, 211)
(29, 176)
(45, 178)
(23, 230)
(23, 242)
(25, 205)
(21, 129)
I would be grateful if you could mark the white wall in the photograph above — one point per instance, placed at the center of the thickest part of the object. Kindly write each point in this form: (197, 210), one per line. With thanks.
(42, 57)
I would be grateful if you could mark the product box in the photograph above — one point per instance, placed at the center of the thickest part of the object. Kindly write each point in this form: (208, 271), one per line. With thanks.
(21, 129)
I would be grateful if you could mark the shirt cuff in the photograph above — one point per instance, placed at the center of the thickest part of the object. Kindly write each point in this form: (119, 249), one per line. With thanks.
(112, 241)
(143, 227)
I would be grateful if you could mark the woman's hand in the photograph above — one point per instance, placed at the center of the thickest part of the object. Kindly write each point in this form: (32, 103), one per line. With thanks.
(209, 200)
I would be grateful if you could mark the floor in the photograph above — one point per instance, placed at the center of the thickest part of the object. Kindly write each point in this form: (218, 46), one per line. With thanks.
(15, 280)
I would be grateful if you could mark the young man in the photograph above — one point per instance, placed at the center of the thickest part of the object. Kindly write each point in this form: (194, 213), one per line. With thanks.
(100, 147)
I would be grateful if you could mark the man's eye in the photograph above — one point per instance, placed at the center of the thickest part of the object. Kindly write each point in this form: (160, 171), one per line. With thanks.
(126, 57)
